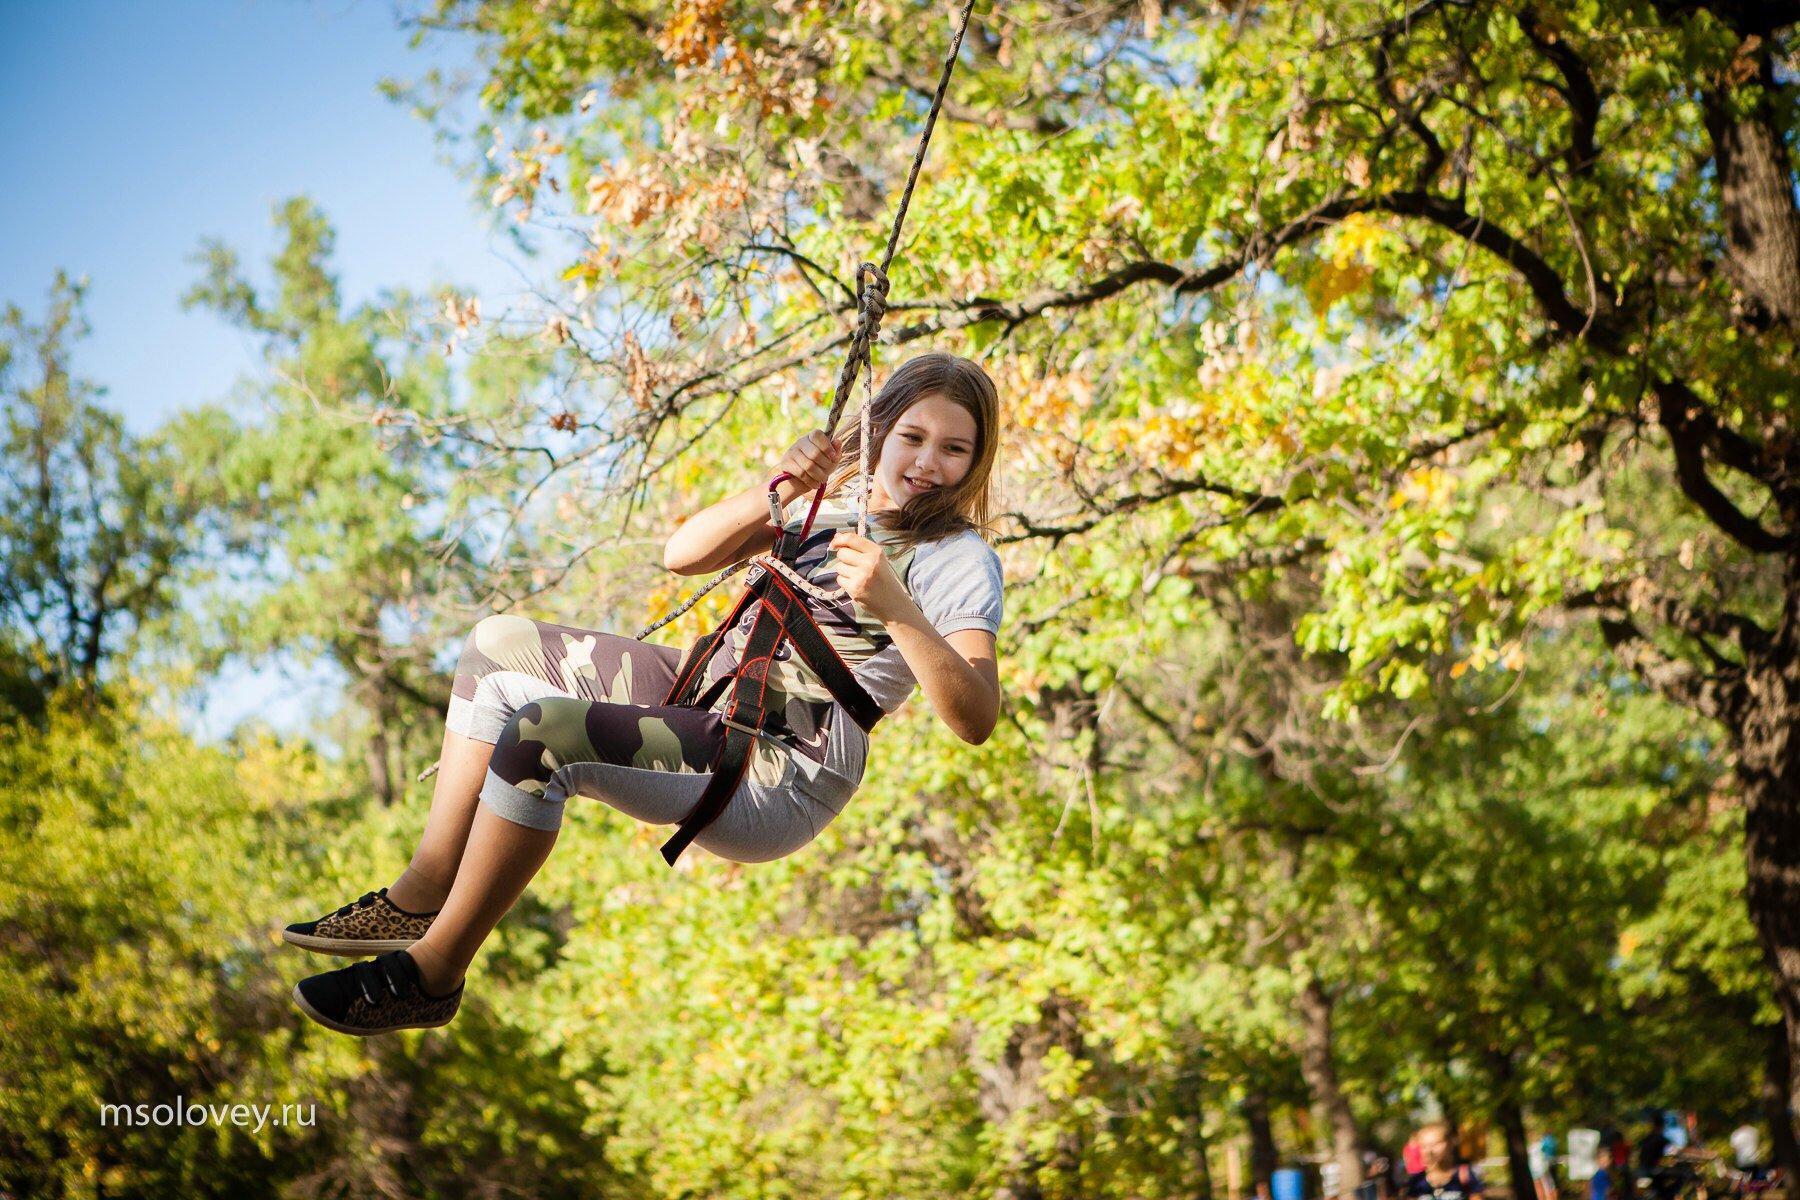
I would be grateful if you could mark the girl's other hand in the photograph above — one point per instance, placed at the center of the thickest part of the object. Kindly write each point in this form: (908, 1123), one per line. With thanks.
(867, 577)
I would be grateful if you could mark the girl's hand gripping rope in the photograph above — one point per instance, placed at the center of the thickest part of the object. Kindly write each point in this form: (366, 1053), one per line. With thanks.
(864, 574)
(809, 461)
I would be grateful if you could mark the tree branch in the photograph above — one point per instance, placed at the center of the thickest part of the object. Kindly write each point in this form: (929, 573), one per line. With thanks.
(968, 114)
(1641, 595)
(1718, 695)
(1690, 430)
(1254, 502)
(1577, 89)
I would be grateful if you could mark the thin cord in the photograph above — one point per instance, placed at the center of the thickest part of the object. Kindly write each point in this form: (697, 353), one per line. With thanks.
(872, 290)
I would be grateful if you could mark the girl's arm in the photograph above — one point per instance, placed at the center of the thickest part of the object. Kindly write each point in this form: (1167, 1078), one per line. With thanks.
(956, 671)
(738, 527)
(732, 530)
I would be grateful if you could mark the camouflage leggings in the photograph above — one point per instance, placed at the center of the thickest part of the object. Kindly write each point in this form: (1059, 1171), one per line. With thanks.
(577, 712)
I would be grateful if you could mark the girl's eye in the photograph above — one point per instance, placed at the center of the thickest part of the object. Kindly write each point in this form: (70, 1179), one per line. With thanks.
(913, 437)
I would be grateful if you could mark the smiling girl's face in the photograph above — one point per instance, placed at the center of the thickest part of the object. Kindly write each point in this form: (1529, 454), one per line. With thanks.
(931, 446)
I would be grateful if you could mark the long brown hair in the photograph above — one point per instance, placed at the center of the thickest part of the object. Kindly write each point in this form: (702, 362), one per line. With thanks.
(941, 512)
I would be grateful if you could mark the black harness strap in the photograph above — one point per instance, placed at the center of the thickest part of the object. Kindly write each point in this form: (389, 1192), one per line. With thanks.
(749, 691)
(816, 652)
(781, 615)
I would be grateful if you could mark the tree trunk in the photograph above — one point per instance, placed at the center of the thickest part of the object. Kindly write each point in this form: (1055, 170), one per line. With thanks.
(1263, 1155)
(1777, 1087)
(1320, 1071)
(1189, 1098)
(1511, 1119)
(379, 755)
(1756, 191)
(1203, 1181)
(1011, 1090)
(1768, 769)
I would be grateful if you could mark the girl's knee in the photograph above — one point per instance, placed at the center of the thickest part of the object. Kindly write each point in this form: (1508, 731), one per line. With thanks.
(540, 738)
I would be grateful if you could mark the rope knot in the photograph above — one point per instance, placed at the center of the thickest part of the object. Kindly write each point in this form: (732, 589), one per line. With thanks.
(873, 284)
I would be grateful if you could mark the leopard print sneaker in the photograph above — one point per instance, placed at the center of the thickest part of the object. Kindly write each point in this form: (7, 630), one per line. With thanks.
(378, 996)
(365, 926)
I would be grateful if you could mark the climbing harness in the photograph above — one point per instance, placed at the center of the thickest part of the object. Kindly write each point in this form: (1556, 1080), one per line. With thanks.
(776, 587)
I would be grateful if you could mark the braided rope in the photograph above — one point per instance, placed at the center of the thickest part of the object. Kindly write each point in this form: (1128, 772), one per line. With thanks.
(830, 595)
(862, 497)
(692, 600)
(859, 344)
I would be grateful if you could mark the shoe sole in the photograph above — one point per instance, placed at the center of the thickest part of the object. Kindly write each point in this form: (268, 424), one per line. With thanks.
(328, 1023)
(348, 947)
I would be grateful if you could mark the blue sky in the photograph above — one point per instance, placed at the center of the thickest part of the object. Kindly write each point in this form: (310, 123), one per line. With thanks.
(132, 131)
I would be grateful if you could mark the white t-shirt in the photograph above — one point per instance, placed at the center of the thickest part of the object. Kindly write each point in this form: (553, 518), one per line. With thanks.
(1746, 1146)
(956, 581)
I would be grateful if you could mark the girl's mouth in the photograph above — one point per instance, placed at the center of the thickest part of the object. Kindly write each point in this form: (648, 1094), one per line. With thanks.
(915, 485)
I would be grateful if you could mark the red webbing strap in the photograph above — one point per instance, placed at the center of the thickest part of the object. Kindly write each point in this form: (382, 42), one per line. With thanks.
(687, 678)
(749, 692)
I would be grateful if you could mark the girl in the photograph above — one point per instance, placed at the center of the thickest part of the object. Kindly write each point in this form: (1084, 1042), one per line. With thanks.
(540, 712)
(1444, 1175)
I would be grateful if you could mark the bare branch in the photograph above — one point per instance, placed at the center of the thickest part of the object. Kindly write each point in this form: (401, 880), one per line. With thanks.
(1719, 695)
(1690, 431)
(1641, 595)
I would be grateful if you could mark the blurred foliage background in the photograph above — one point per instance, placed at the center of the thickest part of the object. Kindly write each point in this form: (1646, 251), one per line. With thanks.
(1398, 491)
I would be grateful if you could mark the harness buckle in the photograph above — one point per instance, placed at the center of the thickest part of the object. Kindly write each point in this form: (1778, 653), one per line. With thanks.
(740, 726)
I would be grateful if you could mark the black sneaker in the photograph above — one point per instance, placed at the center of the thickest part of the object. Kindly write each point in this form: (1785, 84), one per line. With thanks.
(365, 926)
(377, 996)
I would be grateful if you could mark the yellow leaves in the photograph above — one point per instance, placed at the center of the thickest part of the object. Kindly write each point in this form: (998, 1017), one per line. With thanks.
(1746, 62)
(641, 375)
(1511, 656)
(690, 309)
(1355, 237)
(462, 315)
(1329, 283)
(522, 178)
(694, 30)
(1427, 487)
(1046, 401)
(633, 193)
(630, 200)
(1166, 440)
(776, 76)
(1344, 267)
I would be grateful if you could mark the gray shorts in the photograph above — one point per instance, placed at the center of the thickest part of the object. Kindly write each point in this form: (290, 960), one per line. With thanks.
(578, 712)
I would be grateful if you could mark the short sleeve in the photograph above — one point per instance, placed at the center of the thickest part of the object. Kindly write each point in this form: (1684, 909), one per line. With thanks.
(958, 584)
